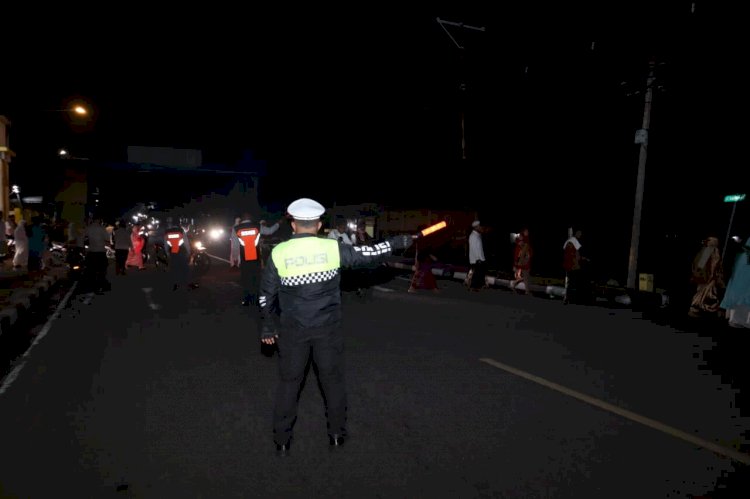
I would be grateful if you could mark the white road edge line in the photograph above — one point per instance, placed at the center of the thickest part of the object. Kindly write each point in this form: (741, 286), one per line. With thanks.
(11, 377)
(219, 258)
(651, 423)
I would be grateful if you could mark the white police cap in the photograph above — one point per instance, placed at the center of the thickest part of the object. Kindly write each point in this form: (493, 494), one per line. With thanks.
(306, 209)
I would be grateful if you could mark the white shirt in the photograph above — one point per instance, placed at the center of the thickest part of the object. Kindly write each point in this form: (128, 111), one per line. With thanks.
(335, 234)
(476, 250)
(264, 230)
(98, 238)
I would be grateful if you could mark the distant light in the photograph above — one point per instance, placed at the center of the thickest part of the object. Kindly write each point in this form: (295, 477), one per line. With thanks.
(32, 199)
(736, 239)
(15, 189)
(80, 110)
(62, 152)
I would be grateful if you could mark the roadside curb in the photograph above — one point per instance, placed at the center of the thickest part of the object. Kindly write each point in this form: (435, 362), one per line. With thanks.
(23, 300)
(619, 296)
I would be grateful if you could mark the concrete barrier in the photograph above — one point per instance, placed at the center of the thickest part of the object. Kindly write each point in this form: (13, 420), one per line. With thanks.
(22, 300)
(620, 297)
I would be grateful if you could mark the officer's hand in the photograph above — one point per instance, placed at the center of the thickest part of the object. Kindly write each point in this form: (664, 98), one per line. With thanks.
(402, 241)
(268, 336)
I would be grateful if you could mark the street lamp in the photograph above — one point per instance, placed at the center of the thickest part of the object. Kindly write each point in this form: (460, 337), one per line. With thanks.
(80, 110)
(64, 154)
(17, 191)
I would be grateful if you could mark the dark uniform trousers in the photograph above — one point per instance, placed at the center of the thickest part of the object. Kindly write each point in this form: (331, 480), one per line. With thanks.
(249, 279)
(179, 268)
(294, 346)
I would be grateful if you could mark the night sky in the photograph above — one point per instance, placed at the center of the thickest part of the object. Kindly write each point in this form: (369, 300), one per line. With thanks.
(349, 105)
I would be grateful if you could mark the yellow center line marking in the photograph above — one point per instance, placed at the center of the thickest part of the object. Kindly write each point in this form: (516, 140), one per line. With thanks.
(651, 423)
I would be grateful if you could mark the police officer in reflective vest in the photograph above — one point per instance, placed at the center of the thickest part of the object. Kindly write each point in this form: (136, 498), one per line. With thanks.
(301, 281)
(249, 234)
(178, 249)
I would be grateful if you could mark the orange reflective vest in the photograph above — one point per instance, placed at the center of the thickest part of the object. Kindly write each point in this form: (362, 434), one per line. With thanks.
(249, 235)
(175, 239)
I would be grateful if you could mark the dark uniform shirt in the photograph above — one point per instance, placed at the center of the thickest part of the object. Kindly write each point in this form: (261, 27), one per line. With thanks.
(302, 278)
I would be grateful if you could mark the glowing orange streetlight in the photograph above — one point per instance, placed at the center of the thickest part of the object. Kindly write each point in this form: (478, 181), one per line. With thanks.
(80, 110)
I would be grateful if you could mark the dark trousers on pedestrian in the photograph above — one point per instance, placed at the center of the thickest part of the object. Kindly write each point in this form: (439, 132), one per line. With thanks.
(478, 272)
(327, 345)
(179, 269)
(96, 270)
(250, 279)
(121, 256)
(573, 286)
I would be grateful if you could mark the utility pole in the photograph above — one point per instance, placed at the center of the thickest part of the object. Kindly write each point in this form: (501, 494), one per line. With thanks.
(641, 138)
(462, 86)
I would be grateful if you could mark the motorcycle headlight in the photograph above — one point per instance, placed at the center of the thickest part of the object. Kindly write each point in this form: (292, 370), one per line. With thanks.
(216, 233)
(198, 245)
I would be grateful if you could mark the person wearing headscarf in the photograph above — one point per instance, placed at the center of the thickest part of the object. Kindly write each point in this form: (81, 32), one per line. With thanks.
(572, 261)
(476, 257)
(135, 254)
(21, 257)
(234, 246)
(708, 276)
(736, 300)
(522, 254)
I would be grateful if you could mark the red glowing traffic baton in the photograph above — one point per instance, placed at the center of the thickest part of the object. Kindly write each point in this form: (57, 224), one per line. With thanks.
(433, 228)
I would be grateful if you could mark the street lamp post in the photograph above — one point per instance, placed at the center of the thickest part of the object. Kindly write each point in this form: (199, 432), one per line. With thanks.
(462, 85)
(17, 192)
(5, 155)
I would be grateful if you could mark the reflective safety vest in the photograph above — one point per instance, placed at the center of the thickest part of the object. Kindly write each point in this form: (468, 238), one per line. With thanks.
(249, 237)
(306, 255)
(175, 239)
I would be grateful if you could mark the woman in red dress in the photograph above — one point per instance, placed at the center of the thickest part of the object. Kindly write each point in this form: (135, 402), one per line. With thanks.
(423, 277)
(522, 261)
(135, 255)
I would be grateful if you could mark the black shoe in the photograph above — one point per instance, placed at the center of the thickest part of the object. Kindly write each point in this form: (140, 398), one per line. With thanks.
(283, 450)
(336, 441)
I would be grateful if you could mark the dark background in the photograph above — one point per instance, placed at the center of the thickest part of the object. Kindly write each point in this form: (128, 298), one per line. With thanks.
(362, 104)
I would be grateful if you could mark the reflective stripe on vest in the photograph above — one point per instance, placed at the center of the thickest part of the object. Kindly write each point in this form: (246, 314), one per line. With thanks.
(306, 260)
(249, 237)
(175, 240)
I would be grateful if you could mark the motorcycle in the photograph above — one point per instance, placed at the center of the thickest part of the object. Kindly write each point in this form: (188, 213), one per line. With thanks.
(58, 254)
(200, 259)
(161, 260)
(75, 258)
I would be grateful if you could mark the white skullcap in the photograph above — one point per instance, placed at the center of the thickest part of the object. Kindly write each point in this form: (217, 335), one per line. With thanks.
(306, 209)
(475, 223)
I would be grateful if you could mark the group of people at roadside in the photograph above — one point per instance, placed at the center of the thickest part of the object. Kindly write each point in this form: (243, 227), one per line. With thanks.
(715, 297)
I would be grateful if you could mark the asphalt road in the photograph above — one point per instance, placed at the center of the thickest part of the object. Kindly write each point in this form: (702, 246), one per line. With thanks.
(147, 392)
